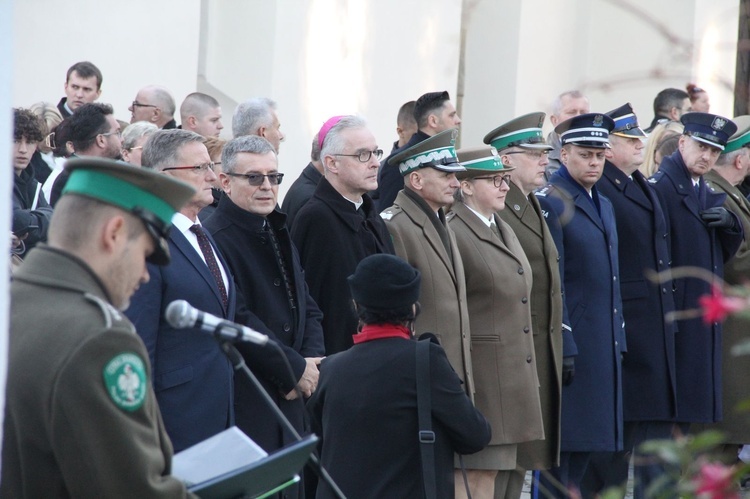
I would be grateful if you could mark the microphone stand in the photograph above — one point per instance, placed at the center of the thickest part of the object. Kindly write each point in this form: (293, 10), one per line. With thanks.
(238, 364)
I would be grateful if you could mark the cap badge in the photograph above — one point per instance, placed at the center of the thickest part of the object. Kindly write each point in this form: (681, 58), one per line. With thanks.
(454, 136)
(718, 123)
(598, 120)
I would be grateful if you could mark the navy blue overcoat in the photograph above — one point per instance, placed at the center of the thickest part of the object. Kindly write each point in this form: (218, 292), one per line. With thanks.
(649, 389)
(697, 345)
(587, 243)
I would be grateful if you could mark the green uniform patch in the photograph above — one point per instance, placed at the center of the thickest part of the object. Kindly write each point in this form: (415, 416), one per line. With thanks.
(125, 380)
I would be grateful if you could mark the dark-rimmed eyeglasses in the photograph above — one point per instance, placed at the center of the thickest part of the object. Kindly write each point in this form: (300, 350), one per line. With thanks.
(135, 103)
(364, 156)
(534, 154)
(195, 168)
(113, 132)
(497, 180)
(257, 179)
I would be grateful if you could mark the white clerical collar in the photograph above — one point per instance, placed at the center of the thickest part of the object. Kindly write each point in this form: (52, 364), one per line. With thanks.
(356, 204)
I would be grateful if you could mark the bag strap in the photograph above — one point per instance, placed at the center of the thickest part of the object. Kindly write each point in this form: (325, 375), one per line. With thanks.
(424, 410)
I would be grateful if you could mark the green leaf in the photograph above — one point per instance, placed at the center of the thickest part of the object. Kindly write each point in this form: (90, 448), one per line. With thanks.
(742, 348)
(706, 440)
(613, 493)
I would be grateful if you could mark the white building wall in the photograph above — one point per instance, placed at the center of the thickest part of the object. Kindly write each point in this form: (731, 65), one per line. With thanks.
(318, 58)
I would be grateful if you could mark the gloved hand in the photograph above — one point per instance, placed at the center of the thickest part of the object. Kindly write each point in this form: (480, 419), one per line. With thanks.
(568, 370)
(719, 218)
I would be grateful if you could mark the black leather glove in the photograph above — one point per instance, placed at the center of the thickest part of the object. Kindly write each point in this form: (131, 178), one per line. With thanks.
(568, 370)
(719, 218)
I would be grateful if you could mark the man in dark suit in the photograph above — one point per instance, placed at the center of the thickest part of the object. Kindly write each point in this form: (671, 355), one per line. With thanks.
(520, 144)
(649, 388)
(433, 112)
(703, 234)
(192, 377)
(582, 224)
(253, 236)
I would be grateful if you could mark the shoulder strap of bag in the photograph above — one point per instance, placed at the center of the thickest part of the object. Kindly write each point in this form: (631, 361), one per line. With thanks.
(424, 409)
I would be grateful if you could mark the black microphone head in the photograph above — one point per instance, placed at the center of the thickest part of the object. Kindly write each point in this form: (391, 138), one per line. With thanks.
(178, 314)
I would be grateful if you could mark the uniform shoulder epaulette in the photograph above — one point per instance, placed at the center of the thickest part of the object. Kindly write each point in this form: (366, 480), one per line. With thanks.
(543, 191)
(389, 213)
(655, 177)
(112, 316)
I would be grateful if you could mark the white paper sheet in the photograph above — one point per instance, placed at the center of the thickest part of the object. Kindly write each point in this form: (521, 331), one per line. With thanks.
(222, 453)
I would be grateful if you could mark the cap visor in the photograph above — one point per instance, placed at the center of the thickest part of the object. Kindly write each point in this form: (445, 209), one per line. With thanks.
(538, 147)
(712, 144)
(633, 132)
(453, 167)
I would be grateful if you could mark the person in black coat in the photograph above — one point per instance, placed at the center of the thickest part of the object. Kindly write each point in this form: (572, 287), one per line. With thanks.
(252, 236)
(339, 225)
(365, 408)
(433, 112)
(649, 389)
(303, 188)
(83, 85)
(704, 235)
(31, 212)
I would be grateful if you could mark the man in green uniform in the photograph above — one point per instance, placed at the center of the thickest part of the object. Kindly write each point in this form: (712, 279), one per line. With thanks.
(81, 418)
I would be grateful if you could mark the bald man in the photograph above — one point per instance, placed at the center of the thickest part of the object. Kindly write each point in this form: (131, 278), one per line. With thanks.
(154, 104)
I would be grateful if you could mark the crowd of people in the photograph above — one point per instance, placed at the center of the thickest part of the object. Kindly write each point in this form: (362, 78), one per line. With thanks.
(525, 265)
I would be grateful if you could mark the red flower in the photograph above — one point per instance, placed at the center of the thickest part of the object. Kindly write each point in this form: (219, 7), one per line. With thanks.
(716, 482)
(717, 306)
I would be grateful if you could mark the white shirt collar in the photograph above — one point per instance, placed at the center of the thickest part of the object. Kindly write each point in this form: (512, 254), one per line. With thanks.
(487, 221)
(183, 223)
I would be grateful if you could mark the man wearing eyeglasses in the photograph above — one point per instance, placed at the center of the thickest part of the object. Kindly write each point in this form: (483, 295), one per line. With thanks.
(95, 132)
(520, 144)
(582, 224)
(154, 104)
(253, 236)
(339, 226)
(193, 380)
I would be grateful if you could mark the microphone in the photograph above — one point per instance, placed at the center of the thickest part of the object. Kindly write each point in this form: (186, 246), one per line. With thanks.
(180, 315)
